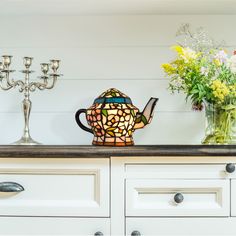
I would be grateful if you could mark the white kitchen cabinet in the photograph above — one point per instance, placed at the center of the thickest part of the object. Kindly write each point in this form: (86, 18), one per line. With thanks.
(117, 196)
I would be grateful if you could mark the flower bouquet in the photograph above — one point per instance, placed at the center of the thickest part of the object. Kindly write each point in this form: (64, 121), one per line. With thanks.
(207, 75)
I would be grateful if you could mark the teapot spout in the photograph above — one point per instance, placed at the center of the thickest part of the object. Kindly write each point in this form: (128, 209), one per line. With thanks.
(145, 117)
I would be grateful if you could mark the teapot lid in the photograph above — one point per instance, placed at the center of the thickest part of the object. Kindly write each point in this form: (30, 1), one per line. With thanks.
(113, 95)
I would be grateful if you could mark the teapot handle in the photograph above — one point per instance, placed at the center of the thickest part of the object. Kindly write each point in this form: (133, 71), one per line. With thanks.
(77, 114)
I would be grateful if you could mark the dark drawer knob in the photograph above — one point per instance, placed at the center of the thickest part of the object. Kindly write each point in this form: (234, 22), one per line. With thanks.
(8, 187)
(135, 233)
(230, 168)
(98, 233)
(178, 198)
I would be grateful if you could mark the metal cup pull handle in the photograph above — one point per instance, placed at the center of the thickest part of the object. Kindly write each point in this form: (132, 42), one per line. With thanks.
(98, 233)
(136, 233)
(11, 187)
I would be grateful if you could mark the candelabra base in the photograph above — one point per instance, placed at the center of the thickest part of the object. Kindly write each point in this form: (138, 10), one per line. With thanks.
(26, 141)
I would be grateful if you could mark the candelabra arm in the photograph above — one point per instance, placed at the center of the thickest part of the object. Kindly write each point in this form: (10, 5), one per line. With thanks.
(5, 88)
(9, 83)
(4, 81)
(33, 86)
(20, 84)
(54, 80)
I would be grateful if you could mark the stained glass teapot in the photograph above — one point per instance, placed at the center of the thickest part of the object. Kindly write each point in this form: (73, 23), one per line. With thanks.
(113, 118)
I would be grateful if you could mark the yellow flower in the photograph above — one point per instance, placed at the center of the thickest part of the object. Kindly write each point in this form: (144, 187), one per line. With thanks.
(186, 53)
(217, 62)
(168, 68)
(220, 90)
(232, 89)
(178, 49)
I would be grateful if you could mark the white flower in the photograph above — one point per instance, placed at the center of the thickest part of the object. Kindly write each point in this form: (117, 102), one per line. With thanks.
(188, 54)
(204, 71)
(221, 56)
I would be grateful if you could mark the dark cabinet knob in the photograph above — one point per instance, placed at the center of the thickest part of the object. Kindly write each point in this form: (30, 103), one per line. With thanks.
(135, 233)
(230, 168)
(98, 233)
(178, 198)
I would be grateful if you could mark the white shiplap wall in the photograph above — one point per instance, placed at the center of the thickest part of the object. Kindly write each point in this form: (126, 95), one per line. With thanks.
(99, 52)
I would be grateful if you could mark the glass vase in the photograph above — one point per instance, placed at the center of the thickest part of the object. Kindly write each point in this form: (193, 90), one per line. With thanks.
(220, 123)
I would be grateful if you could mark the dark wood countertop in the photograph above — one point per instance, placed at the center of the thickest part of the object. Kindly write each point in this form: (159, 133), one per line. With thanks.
(93, 151)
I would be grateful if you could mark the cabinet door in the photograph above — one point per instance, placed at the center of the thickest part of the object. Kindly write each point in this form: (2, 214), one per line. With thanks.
(181, 226)
(48, 226)
(153, 197)
(57, 187)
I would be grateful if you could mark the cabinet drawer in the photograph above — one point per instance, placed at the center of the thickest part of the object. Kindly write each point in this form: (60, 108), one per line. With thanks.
(181, 226)
(152, 197)
(29, 226)
(56, 188)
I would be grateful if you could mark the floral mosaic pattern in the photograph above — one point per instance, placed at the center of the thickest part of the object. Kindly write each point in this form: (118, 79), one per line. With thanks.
(112, 123)
(113, 118)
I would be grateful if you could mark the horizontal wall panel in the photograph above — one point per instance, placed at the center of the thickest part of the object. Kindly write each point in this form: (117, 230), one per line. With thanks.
(61, 128)
(71, 95)
(94, 63)
(71, 31)
(97, 63)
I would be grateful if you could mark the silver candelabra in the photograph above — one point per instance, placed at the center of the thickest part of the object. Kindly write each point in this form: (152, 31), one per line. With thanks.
(25, 86)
